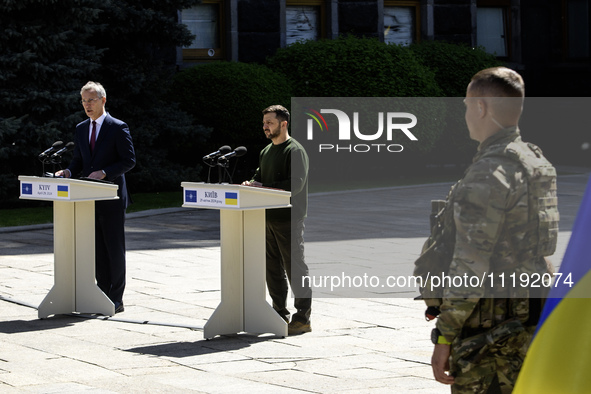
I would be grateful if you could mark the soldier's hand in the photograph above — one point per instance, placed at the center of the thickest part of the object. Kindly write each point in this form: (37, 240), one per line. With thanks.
(440, 364)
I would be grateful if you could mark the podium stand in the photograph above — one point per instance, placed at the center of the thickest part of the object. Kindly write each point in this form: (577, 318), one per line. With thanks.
(243, 307)
(74, 288)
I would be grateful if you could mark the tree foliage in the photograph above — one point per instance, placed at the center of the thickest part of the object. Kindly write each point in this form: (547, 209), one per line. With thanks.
(229, 97)
(454, 65)
(50, 48)
(139, 43)
(354, 67)
(363, 67)
(43, 57)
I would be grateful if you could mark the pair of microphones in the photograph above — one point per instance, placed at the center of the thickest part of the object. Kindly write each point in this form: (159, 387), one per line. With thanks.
(225, 153)
(56, 151)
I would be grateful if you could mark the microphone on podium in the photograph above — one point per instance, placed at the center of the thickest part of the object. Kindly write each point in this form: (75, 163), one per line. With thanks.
(56, 146)
(240, 151)
(221, 151)
(69, 146)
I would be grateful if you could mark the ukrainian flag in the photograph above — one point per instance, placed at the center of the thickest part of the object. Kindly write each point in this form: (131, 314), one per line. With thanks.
(559, 358)
(231, 198)
(62, 190)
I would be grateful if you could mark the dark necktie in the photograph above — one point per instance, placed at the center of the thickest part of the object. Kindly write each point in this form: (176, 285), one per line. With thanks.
(93, 136)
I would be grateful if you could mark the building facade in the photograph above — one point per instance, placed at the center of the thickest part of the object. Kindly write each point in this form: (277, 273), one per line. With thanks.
(546, 40)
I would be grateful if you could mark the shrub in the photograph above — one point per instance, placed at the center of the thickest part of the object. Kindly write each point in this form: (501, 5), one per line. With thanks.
(453, 65)
(353, 67)
(363, 67)
(229, 97)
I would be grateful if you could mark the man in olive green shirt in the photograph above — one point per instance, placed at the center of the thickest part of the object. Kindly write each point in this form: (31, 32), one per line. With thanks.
(283, 164)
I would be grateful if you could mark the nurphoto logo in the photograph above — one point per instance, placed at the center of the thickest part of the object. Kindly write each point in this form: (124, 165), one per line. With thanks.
(388, 124)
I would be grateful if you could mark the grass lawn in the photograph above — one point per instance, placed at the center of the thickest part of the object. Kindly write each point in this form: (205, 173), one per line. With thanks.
(44, 214)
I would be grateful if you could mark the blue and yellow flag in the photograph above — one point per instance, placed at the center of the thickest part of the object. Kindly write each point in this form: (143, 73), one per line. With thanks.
(231, 198)
(559, 358)
(62, 191)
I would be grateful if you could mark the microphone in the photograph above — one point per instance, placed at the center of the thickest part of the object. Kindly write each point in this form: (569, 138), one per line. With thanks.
(69, 146)
(221, 151)
(56, 145)
(240, 151)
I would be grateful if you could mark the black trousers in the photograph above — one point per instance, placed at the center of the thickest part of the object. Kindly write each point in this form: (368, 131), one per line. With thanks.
(285, 262)
(110, 263)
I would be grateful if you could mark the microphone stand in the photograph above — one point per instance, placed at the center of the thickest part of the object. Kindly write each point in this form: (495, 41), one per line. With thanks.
(212, 160)
(49, 160)
(224, 162)
(210, 164)
(221, 165)
(222, 170)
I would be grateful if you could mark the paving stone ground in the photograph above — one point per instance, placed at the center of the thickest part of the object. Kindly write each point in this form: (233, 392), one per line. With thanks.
(366, 339)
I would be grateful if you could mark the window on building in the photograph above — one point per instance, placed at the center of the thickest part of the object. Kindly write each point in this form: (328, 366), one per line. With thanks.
(304, 20)
(577, 28)
(401, 22)
(205, 21)
(493, 28)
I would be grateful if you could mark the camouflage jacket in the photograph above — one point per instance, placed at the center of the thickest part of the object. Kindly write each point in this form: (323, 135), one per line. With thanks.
(497, 233)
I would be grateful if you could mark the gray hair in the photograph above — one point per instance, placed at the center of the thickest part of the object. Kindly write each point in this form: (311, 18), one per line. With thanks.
(95, 87)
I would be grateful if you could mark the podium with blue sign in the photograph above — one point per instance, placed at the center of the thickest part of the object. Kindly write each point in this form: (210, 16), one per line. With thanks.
(243, 306)
(74, 288)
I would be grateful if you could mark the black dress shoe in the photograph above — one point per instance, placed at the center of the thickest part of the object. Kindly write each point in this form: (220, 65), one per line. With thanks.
(119, 307)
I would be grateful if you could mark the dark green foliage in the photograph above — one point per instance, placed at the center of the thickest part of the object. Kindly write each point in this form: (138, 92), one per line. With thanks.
(229, 97)
(362, 67)
(50, 48)
(137, 70)
(43, 56)
(453, 64)
(354, 67)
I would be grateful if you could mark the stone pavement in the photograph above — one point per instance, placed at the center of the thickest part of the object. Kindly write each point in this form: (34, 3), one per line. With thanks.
(369, 339)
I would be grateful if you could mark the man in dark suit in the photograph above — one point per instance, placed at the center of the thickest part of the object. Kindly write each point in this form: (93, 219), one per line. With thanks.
(104, 150)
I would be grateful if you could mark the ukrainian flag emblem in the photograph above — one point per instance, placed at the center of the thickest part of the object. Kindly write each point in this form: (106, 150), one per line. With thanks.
(231, 198)
(62, 191)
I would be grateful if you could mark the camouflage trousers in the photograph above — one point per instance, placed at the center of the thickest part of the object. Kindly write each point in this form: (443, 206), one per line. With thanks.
(490, 362)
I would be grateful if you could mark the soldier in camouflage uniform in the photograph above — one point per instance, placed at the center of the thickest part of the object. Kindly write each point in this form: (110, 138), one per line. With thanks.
(503, 218)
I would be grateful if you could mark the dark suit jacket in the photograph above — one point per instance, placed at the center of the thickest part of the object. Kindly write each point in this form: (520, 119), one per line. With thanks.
(113, 153)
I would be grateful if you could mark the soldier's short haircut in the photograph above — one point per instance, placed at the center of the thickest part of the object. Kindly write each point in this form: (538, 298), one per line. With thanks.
(497, 82)
(280, 112)
(503, 87)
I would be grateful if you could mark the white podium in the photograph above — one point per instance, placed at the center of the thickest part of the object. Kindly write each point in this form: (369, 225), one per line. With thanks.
(243, 306)
(74, 288)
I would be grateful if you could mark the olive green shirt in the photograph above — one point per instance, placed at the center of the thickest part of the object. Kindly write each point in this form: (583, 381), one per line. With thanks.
(285, 166)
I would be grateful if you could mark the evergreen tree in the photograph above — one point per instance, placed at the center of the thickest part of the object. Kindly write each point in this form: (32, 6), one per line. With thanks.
(139, 62)
(43, 56)
(50, 48)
